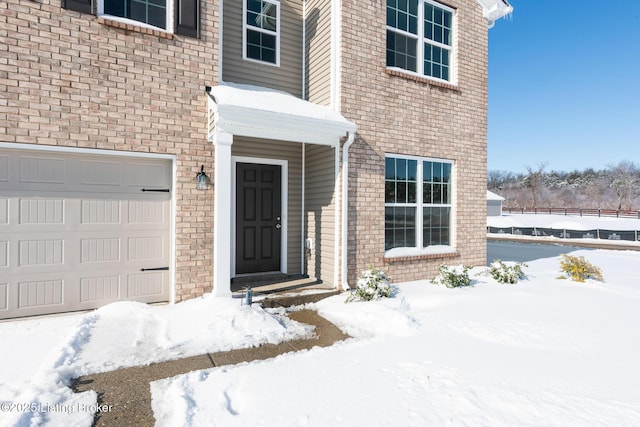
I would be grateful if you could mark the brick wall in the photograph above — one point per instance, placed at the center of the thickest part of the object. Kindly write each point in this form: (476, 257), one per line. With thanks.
(396, 114)
(71, 79)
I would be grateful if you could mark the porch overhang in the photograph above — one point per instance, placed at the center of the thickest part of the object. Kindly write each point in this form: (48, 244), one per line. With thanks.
(259, 112)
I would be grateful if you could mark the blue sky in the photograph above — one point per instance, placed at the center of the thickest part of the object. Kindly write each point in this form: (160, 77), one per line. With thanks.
(564, 85)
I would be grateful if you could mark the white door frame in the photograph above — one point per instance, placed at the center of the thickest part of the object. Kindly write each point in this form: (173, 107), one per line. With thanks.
(284, 164)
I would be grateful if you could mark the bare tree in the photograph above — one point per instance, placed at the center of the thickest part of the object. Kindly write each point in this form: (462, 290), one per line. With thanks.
(624, 179)
(534, 181)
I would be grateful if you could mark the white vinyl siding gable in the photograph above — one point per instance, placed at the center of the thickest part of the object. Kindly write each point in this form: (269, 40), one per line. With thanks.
(236, 69)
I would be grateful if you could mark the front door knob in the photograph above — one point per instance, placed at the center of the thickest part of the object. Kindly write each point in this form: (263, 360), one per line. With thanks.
(278, 226)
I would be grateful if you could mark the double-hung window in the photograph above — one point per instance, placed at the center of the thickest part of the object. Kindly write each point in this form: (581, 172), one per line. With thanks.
(262, 31)
(417, 202)
(420, 38)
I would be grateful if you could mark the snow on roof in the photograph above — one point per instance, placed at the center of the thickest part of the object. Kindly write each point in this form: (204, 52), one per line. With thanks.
(266, 99)
(493, 196)
(495, 9)
(260, 112)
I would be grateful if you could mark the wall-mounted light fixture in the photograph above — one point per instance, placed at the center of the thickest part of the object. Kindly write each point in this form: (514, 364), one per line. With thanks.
(202, 179)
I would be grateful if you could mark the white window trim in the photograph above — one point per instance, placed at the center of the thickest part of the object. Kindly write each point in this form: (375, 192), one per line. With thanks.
(419, 205)
(261, 30)
(421, 40)
(169, 18)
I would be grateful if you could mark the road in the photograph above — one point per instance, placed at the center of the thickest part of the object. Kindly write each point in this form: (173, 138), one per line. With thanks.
(523, 252)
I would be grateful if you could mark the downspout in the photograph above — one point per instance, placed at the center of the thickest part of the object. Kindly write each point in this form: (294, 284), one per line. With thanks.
(345, 208)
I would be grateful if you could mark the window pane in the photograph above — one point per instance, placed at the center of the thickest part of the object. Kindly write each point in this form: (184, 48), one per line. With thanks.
(254, 5)
(269, 55)
(413, 170)
(446, 172)
(436, 230)
(446, 196)
(437, 172)
(437, 193)
(157, 16)
(427, 171)
(401, 168)
(427, 193)
(389, 168)
(401, 196)
(411, 192)
(252, 19)
(401, 51)
(390, 192)
(400, 228)
(114, 7)
(402, 21)
(269, 42)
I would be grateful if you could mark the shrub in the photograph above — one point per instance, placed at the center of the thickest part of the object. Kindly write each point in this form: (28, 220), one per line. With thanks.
(453, 277)
(578, 269)
(373, 284)
(504, 273)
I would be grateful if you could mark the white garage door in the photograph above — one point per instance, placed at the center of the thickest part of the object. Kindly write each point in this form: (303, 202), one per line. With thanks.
(78, 231)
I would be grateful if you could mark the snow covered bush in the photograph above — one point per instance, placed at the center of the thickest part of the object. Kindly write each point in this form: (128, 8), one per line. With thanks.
(579, 269)
(505, 273)
(453, 277)
(373, 284)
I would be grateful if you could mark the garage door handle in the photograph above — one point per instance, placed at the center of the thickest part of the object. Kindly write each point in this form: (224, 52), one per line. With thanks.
(154, 269)
(156, 190)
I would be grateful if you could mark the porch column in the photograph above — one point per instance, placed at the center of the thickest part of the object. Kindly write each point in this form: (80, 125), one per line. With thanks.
(222, 215)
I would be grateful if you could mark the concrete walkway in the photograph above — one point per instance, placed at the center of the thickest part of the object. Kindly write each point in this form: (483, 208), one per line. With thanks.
(127, 391)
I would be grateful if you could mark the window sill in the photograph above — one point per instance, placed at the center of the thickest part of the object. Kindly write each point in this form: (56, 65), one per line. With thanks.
(128, 26)
(416, 78)
(412, 254)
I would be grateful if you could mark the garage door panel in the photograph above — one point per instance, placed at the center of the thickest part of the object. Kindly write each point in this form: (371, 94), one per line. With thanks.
(41, 293)
(41, 252)
(94, 212)
(146, 284)
(101, 289)
(146, 211)
(42, 170)
(100, 250)
(147, 175)
(149, 248)
(41, 211)
(105, 173)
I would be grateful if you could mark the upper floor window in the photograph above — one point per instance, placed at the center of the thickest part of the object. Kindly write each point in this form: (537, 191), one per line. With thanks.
(185, 19)
(150, 12)
(262, 31)
(417, 202)
(420, 37)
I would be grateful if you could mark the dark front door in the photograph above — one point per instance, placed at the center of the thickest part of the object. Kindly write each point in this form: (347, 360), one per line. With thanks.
(258, 222)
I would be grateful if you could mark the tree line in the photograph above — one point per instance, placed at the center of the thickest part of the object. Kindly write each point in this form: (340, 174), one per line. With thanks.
(615, 187)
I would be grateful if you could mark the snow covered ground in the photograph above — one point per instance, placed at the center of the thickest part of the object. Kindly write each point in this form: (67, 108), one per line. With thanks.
(544, 351)
(569, 222)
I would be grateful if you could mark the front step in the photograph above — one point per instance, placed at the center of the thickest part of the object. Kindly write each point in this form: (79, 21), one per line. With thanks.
(297, 299)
